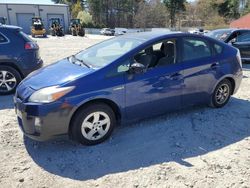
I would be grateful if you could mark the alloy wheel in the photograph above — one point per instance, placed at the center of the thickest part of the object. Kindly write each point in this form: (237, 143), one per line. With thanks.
(95, 125)
(222, 94)
(7, 81)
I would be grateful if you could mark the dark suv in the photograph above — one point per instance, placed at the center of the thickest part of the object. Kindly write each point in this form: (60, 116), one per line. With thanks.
(239, 38)
(19, 56)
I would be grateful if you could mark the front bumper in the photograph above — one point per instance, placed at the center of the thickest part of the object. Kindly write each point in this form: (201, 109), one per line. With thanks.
(43, 121)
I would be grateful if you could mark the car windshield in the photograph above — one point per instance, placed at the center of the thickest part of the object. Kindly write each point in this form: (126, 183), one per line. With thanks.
(106, 52)
(220, 34)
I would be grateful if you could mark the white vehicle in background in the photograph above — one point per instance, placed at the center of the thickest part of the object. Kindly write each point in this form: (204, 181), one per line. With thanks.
(120, 31)
(107, 32)
(198, 31)
(161, 30)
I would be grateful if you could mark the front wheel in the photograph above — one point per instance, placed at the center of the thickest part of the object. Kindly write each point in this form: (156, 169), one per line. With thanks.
(53, 33)
(9, 79)
(93, 124)
(222, 94)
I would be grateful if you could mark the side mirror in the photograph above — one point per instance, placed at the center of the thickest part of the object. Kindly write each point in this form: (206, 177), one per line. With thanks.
(137, 68)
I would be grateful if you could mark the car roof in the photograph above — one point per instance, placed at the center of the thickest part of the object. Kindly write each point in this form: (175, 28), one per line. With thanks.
(232, 29)
(150, 35)
(9, 27)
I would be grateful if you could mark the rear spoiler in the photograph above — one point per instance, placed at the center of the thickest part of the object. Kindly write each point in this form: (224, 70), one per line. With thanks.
(11, 27)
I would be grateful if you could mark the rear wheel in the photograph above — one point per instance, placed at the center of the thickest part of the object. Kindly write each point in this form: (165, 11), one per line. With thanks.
(222, 94)
(73, 32)
(93, 124)
(9, 79)
(53, 33)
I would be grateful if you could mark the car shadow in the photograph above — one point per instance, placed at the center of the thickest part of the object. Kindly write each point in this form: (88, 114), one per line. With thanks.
(6, 102)
(172, 137)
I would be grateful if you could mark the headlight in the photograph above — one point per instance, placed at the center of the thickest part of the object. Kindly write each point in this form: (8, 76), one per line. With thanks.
(49, 94)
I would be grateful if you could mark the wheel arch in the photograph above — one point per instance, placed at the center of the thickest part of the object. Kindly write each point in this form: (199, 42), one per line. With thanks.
(232, 82)
(10, 64)
(228, 77)
(116, 109)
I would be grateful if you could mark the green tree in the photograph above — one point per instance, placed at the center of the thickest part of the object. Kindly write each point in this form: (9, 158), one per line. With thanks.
(73, 5)
(151, 14)
(229, 9)
(86, 18)
(76, 8)
(207, 13)
(174, 7)
(113, 13)
(247, 9)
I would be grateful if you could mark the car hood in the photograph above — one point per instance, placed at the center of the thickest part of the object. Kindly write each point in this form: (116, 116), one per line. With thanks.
(56, 74)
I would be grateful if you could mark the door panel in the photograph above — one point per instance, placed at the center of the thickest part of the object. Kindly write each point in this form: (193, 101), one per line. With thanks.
(24, 20)
(199, 78)
(243, 44)
(154, 92)
(244, 48)
(199, 70)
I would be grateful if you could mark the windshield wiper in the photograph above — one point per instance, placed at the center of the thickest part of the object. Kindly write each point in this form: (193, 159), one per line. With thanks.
(81, 61)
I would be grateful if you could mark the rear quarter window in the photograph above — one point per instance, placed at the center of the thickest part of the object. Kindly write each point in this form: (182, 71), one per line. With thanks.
(218, 49)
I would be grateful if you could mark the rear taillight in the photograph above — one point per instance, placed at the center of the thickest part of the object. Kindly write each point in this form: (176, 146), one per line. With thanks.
(30, 46)
(239, 58)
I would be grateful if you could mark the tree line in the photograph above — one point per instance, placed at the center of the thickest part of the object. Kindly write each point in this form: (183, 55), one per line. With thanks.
(155, 13)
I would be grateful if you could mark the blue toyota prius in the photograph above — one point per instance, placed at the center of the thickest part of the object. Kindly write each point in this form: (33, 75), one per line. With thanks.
(124, 79)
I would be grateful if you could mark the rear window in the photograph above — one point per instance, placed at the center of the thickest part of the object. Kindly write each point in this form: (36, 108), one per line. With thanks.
(2, 39)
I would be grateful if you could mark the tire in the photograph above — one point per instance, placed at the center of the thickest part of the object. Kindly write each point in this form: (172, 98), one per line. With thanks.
(53, 33)
(221, 94)
(14, 77)
(74, 33)
(81, 34)
(92, 132)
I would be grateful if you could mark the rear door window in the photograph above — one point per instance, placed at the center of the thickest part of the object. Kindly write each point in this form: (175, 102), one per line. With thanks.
(245, 37)
(195, 49)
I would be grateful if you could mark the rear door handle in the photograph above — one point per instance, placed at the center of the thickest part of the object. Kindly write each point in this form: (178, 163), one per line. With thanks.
(176, 76)
(215, 65)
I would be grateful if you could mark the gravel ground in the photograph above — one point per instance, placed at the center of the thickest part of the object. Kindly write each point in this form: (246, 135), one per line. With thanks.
(198, 147)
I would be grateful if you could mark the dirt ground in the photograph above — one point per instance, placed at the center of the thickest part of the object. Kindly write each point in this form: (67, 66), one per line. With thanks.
(198, 147)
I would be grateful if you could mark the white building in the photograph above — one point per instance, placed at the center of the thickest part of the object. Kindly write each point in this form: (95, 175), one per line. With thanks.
(21, 14)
